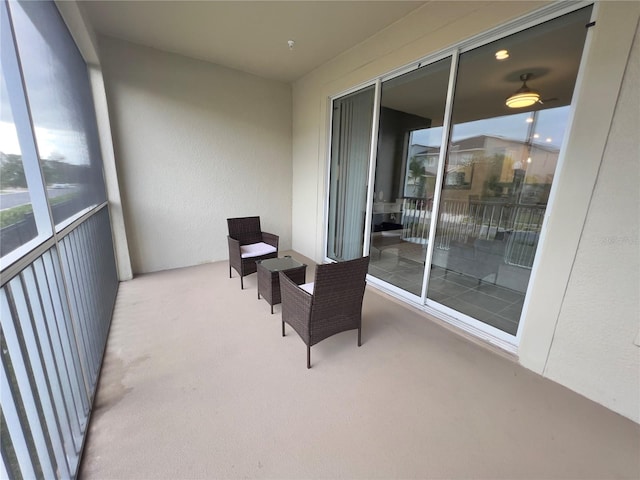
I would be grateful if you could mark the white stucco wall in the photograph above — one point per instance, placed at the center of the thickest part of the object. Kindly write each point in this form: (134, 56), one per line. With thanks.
(593, 350)
(549, 312)
(195, 143)
(563, 275)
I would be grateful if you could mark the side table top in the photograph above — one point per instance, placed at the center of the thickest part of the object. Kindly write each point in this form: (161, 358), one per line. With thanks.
(279, 264)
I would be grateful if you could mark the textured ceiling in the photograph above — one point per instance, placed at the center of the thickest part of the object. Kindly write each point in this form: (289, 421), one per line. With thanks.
(250, 36)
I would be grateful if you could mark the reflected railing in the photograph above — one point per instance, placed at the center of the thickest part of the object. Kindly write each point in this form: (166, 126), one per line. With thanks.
(416, 219)
(466, 220)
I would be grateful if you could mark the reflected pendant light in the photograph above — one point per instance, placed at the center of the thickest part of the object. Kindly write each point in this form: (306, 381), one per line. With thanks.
(524, 96)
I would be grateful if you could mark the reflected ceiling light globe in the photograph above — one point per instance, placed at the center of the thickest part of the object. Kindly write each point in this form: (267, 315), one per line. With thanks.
(524, 96)
(524, 99)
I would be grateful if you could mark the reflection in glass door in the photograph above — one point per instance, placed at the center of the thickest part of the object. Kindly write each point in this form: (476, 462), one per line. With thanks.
(412, 110)
(499, 168)
(352, 120)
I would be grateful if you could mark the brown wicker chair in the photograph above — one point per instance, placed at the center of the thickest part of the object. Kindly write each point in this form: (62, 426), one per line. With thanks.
(248, 243)
(334, 306)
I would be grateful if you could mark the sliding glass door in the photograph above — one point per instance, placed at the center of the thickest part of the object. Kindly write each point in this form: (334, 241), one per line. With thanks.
(466, 153)
(500, 166)
(350, 150)
(412, 110)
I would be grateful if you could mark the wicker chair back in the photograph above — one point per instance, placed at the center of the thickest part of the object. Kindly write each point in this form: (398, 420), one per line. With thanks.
(335, 305)
(338, 293)
(245, 229)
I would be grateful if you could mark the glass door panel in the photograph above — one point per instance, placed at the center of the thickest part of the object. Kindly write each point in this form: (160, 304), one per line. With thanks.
(350, 150)
(412, 110)
(500, 166)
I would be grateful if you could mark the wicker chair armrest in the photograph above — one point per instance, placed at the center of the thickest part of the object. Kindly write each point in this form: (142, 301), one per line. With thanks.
(296, 306)
(270, 239)
(234, 249)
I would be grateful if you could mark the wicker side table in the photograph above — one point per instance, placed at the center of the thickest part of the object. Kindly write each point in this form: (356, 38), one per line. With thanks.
(269, 281)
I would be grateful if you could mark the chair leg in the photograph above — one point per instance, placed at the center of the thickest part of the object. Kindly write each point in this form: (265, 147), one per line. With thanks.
(241, 282)
(360, 335)
(229, 270)
(308, 356)
(271, 309)
(283, 328)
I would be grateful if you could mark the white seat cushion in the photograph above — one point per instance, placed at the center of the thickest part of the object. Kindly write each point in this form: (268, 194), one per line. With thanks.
(307, 287)
(256, 249)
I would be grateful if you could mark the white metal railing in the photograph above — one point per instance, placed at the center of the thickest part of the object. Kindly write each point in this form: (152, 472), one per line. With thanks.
(56, 311)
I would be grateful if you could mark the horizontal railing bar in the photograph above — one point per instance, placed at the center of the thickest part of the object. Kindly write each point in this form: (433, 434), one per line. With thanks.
(15, 268)
(76, 223)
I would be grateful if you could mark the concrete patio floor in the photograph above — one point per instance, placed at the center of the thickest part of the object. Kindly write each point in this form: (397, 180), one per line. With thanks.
(198, 382)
